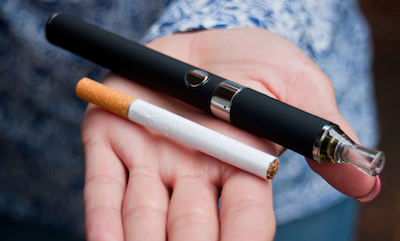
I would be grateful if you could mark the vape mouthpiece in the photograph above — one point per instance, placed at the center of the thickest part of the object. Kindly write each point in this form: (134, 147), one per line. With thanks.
(336, 147)
(366, 160)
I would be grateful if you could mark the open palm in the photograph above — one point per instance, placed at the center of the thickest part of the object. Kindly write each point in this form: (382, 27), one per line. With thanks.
(140, 185)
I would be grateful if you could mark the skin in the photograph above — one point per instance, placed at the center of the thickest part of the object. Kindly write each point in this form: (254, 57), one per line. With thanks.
(140, 185)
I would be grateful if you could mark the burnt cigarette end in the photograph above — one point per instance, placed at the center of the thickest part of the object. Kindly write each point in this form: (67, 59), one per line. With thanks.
(273, 168)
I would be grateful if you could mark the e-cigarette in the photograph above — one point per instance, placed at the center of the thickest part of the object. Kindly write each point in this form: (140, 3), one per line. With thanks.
(307, 134)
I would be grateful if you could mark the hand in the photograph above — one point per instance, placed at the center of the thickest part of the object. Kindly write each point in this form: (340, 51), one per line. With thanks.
(140, 185)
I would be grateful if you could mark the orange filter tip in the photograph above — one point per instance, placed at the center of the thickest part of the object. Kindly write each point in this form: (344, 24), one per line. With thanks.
(103, 96)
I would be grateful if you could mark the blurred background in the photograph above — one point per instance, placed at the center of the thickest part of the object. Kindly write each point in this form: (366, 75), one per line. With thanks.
(380, 219)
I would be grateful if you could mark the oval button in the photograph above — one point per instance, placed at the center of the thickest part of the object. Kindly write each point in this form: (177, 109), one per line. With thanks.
(196, 78)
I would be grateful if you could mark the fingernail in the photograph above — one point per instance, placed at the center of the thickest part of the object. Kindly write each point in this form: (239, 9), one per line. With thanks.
(373, 193)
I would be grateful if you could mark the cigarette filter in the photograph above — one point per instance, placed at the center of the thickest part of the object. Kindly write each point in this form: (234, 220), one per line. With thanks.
(180, 129)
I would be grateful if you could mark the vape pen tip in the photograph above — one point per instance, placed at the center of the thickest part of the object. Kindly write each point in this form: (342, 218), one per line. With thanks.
(366, 160)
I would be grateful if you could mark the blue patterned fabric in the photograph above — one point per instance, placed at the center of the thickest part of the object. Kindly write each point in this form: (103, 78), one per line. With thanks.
(41, 161)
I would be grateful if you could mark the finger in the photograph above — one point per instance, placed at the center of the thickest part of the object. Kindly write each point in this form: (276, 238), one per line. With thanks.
(246, 208)
(193, 211)
(105, 183)
(348, 180)
(145, 206)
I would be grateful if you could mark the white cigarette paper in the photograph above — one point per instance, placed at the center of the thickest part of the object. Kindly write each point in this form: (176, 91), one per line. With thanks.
(180, 129)
(201, 138)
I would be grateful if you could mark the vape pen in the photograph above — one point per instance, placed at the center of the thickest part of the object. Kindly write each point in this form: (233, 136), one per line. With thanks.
(245, 108)
(180, 129)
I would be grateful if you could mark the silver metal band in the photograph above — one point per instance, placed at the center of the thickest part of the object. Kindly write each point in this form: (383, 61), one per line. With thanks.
(221, 101)
(318, 151)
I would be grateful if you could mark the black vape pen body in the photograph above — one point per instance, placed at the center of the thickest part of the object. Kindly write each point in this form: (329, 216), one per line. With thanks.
(243, 107)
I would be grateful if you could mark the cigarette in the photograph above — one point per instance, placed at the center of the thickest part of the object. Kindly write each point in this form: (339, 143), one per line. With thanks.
(180, 129)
